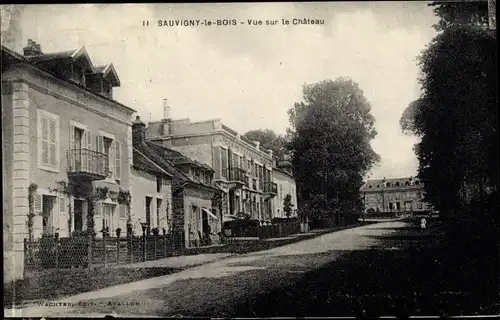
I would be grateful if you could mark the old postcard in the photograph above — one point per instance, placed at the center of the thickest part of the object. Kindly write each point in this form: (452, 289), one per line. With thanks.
(333, 159)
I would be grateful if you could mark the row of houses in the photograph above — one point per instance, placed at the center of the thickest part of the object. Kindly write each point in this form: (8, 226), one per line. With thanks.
(74, 161)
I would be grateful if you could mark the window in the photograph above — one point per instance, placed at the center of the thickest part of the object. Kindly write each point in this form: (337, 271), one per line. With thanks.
(48, 141)
(224, 162)
(369, 187)
(148, 210)
(407, 183)
(417, 182)
(158, 184)
(397, 184)
(118, 167)
(158, 211)
(388, 184)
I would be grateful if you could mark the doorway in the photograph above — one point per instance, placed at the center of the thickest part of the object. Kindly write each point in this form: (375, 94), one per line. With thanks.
(78, 207)
(48, 203)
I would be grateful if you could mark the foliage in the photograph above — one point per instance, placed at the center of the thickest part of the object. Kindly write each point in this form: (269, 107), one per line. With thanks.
(331, 133)
(454, 13)
(31, 210)
(287, 205)
(92, 196)
(456, 116)
(270, 140)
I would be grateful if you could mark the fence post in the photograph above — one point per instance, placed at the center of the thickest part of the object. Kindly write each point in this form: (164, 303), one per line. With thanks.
(144, 242)
(154, 238)
(89, 252)
(117, 248)
(130, 239)
(104, 245)
(57, 251)
(164, 245)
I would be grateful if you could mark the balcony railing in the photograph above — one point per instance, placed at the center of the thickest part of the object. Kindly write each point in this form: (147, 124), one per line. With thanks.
(270, 187)
(89, 164)
(235, 174)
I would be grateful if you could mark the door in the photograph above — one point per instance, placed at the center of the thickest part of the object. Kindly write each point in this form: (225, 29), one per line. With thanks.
(108, 218)
(78, 208)
(148, 213)
(204, 223)
(47, 214)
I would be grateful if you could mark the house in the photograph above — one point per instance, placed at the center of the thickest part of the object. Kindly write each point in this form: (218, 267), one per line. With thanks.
(285, 181)
(193, 213)
(151, 204)
(241, 168)
(394, 195)
(65, 141)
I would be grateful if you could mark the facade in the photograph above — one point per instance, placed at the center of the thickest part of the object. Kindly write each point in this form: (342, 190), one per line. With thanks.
(152, 199)
(394, 195)
(241, 168)
(285, 181)
(60, 123)
(193, 213)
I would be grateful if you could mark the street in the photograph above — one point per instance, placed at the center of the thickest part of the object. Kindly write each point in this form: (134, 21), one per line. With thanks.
(217, 288)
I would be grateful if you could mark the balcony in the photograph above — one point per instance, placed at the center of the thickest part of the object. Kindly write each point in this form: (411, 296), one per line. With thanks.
(85, 164)
(235, 175)
(270, 187)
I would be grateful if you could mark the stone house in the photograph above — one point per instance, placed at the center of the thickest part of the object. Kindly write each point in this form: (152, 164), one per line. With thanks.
(152, 199)
(394, 195)
(60, 123)
(285, 181)
(241, 168)
(192, 190)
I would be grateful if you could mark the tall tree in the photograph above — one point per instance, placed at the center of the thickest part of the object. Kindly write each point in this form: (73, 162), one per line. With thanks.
(269, 140)
(331, 131)
(456, 114)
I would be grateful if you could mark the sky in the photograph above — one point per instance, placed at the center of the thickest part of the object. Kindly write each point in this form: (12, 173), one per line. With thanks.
(249, 76)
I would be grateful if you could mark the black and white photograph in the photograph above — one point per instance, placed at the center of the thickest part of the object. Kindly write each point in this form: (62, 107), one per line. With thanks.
(250, 160)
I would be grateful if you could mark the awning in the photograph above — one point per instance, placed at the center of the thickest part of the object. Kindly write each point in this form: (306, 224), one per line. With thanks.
(210, 214)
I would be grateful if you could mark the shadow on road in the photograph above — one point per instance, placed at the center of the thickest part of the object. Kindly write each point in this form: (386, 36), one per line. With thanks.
(412, 272)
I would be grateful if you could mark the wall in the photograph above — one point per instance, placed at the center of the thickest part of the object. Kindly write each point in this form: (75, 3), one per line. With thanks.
(144, 185)
(200, 198)
(11, 258)
(381, 199)
(286, 185)
(44, 92)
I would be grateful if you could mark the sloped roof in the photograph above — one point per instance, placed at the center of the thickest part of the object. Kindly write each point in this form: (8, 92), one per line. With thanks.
(142, 162)
(178, 158)
(375, 184)
(108, 71)
(156, 154)
(10, 57)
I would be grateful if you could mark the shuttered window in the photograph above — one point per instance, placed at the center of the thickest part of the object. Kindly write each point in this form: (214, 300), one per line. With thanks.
(118, 160)
(48, 140)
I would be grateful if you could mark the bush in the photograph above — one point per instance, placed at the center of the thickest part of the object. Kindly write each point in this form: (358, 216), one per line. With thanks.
(242, 227)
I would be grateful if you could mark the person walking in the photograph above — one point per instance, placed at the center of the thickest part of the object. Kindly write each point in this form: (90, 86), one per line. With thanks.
(423, 224)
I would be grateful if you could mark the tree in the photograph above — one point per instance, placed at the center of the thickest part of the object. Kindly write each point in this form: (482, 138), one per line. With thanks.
(465, 12)
(456, 114)
(269, 140)
(287, 205)
(330, 132)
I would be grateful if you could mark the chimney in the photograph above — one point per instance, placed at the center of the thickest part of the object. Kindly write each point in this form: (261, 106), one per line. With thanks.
(138, 131)
(257, 145)
(166, 109)
(32, 49)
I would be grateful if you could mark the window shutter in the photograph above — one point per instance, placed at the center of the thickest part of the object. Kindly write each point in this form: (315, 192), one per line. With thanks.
(71, 137)
(88, 138)
(37, 204)
(62, 205)
(52, 142)
(117, 160)
(45, 142)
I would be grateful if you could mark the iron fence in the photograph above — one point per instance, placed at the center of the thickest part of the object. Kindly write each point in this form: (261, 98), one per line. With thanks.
(86, 252)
